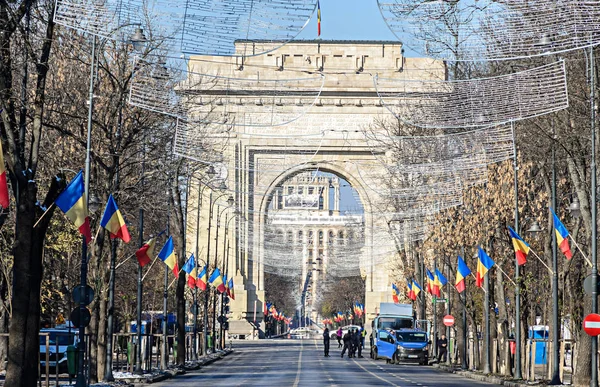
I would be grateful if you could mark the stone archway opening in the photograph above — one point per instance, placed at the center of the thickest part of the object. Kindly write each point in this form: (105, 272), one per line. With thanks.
(314, 239)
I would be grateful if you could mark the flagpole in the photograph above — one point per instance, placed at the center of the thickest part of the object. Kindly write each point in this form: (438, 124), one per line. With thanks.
(581, 251)
(506, 275)
(165, 347)
(464, 318)
(518, 373)
(123, 261)
(540, 259)
(148, 271)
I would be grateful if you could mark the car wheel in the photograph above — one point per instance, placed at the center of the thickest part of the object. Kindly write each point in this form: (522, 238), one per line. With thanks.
(375, 354)
(396, 360)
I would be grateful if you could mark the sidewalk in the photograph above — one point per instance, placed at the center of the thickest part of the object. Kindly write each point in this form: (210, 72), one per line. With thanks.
(158, 376)
(489, 378)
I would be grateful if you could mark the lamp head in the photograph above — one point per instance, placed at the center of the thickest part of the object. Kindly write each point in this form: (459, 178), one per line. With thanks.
(222, 186)
(230, 200)
(575, 208)
(535, 227)
(211, 171)
(138, 39)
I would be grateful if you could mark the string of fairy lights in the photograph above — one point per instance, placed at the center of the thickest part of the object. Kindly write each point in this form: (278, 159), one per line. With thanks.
(466, 124)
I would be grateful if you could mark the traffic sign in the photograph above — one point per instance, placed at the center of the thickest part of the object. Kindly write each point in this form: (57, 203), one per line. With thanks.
(591, 324)
(448, 320)
(81, 320)
(83, 292)
(587, 285)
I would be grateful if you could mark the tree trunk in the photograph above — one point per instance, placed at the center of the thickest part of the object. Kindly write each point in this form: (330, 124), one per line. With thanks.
(102, 325)
(582, 375)
(23, 349)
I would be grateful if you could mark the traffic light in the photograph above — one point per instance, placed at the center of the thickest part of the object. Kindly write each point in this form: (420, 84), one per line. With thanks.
(225, 299)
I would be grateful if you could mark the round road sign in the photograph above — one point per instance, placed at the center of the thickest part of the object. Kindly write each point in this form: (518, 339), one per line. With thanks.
(591, 324)
(448, 320)
(81, 317)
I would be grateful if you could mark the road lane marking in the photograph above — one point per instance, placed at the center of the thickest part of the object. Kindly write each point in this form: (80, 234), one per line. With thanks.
(369, 372)
(297, 381)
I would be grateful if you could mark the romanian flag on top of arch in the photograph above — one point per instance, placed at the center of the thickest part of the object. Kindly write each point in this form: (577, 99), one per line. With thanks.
(521, 247)
(113, 221)
(562, 236)
(72, 202)
(167, 255)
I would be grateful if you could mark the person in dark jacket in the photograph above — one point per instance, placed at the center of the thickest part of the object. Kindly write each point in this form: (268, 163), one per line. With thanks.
(347, 343)
(355, 342)
(442, 345)
(326, 341)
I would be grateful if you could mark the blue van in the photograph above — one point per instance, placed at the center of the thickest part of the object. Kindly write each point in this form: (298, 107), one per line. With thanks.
(409, 345)
(412, 346)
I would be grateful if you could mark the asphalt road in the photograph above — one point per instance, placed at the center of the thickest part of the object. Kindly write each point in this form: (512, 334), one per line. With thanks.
(301, 363)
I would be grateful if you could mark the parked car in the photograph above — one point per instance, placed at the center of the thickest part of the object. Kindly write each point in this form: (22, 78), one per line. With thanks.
(301, 333)
(344, 330)
(59, 340)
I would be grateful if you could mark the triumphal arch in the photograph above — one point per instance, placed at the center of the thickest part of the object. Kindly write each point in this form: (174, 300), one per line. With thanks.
(311, 107)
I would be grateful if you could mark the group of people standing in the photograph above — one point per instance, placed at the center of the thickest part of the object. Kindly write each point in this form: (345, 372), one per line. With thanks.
(352, 341)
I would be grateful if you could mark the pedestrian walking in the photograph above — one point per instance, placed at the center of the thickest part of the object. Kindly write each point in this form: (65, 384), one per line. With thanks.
(442, 345)
(339, 337)
(326, 341)
(347, 344)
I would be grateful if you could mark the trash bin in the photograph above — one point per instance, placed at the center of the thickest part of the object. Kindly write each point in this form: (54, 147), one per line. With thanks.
(175, 350)
(209, 339)
(72, 359)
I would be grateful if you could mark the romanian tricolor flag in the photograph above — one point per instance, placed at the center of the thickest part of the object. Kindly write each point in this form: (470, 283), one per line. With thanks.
(72, 202)
(216, 280)
(319, 18)
(202, 279)
(395, 293)
(462, 272)
(167, 255)
(484, 264)
(416, 289)
(146, 252)
(411, 292)
(190, 269)
(521, 247)
(112, 220)
(562, 236)
(3, 183)
(430, 282)
(230, 291)
(439, 281)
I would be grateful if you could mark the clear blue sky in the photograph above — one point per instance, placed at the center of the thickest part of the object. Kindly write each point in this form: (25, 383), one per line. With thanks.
(349, 20)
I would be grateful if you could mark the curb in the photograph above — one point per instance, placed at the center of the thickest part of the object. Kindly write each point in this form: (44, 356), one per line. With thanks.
(489, 378)
(178, 370)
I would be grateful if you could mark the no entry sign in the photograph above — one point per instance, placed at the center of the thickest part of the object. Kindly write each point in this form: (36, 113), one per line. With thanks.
(449, 320)
(591, 324)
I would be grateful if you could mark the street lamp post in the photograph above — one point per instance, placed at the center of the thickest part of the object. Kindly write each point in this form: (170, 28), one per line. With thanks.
(207, 292)
(136, 40)
(518, 373)
(555, 318)
(219, 214)
(594, 354)
(211, 173)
